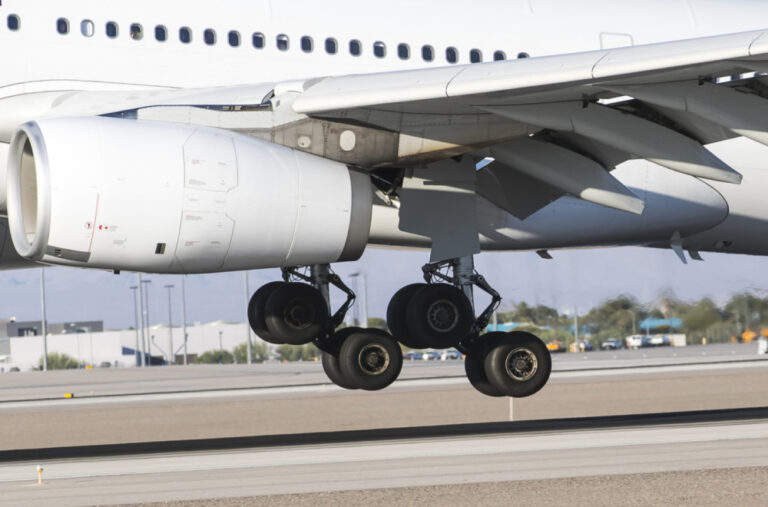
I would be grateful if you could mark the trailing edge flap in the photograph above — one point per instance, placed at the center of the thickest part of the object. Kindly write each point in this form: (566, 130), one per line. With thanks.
(570, 172)
(513, 191)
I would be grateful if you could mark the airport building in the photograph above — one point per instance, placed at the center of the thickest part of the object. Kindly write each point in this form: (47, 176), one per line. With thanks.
(118, 348)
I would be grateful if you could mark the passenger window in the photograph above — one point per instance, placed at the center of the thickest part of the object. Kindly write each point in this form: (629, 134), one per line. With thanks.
(331, 46)
(355, 48)
(475, 56)
(258, 40)
(13, 22)
(234, 39)
(161, 33)
(403, 51)
(499, 55)
(62, 26)
(137, 32)
(86, 28)
(209, 36)
(379, 49)
(185, 35)
(523, 55)
(306, 44)
(282, 42)
(427, 53)
(451, 55)
(112, 30)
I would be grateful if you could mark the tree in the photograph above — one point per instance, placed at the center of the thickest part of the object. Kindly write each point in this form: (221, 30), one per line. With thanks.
(614, 318)
(701, 316)
(306, 352)
(377, 322)
(747, 311)
(215, 357)
(259, 352)
(58, 361)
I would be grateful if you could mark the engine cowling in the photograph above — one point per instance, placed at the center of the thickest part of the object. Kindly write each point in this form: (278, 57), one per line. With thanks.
(167, 198)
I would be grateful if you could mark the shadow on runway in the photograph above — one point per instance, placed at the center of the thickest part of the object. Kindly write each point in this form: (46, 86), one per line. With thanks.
(339, 437)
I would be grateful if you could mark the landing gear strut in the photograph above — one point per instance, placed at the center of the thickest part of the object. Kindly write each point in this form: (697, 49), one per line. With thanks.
(439, 314)
(297, 311)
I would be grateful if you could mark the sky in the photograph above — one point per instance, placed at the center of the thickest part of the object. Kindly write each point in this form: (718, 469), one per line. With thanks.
(574, 279)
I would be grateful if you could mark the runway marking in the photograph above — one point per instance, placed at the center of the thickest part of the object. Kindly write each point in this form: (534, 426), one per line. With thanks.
(441, 447)
(328, 387)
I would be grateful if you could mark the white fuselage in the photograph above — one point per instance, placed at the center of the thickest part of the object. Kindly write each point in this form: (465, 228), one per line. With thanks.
(118, 46)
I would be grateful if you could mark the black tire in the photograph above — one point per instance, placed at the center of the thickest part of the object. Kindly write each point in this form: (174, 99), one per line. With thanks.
(396, 318)
(474, 365)
(256, 311)
(330, 361)
(296, 313)
(519, 364)
(371, 359)
(440, 315)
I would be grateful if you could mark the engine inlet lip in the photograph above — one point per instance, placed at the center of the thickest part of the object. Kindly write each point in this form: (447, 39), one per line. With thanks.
(34, 250)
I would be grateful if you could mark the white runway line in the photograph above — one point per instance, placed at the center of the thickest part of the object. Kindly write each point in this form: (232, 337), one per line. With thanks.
(396, 450)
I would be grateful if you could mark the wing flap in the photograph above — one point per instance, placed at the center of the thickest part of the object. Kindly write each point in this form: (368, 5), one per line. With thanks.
(567, 171)
(625, 132)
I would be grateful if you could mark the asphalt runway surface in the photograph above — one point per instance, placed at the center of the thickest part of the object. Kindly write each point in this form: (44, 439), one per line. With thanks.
(279, 434)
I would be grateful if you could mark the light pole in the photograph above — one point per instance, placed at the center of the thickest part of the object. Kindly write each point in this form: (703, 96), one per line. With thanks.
(148, 326)
(576, 330)
(362, 289)
(249, 346)
(221, 343)
(142, 323)
(44, 322)
(134, 289)
(184, 314)
(170, 325)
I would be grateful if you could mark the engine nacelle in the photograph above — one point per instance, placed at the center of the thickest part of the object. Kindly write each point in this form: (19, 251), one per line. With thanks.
(166, 198)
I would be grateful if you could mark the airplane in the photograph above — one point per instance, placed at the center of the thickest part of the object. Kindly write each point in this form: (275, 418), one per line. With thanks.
(189, 137)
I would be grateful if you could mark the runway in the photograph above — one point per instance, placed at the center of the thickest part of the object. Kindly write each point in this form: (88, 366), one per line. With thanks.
(252, 432)
(513, 452)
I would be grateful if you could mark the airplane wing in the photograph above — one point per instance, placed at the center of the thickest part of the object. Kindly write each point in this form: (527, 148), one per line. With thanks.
(584, 112)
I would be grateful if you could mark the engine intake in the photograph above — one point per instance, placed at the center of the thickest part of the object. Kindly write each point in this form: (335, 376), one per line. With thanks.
(167, 198)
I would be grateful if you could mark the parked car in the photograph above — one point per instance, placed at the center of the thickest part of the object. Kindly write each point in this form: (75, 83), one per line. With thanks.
(450, 354)
(656, 341)
(611, 344)
(431, 355)
(556, 346)
(635, 341)
(413, 355)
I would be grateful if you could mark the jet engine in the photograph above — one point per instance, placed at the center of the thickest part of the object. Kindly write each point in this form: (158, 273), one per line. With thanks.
(147, 196)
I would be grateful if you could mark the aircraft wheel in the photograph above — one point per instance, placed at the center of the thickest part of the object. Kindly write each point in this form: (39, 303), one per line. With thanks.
(440, 315)
(371, 359)
(518, 365)
(296, 313)
(396, 318)
(330, 361)
(256, 311)
(474, 366)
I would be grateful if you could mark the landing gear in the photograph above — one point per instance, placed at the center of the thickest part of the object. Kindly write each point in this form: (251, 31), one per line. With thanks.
(516, 364)
(296, 313)
(440, 315)
(370, 359)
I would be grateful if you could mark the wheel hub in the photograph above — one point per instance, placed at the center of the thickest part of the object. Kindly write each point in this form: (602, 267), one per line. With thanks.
(443, 316)
(299, 314)
(373, 359)
(521, 364)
